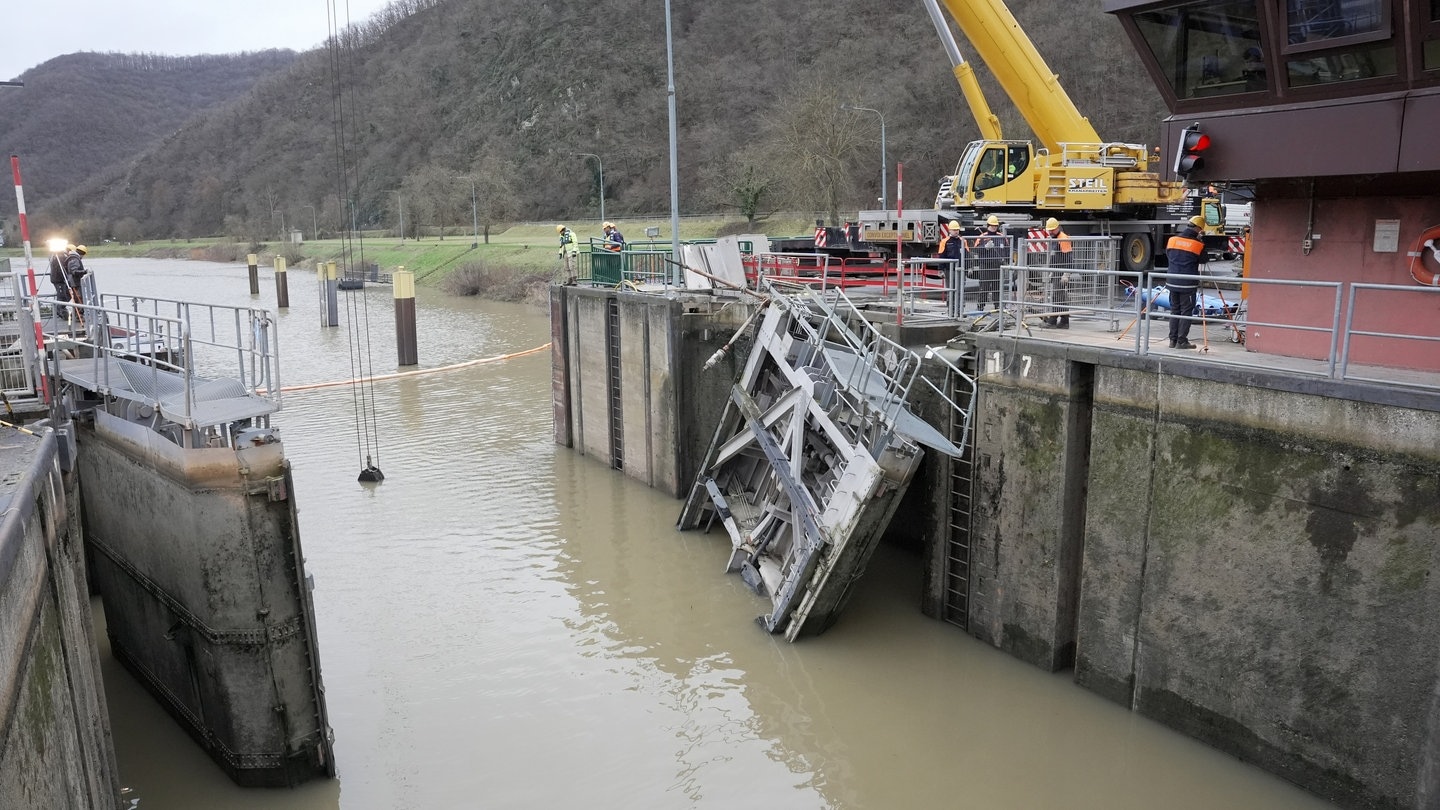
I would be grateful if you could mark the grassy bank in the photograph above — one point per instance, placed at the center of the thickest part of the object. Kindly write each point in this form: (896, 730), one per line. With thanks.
(519, 256)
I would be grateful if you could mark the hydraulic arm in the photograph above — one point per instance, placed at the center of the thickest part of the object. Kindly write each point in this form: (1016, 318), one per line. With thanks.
(1005, 48)
(965, 75)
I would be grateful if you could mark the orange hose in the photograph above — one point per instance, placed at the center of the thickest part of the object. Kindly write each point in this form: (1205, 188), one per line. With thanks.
(415, 373)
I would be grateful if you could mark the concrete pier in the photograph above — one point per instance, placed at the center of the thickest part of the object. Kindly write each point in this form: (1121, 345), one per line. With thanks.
(630, 391)
(209, 609)
(55, 744)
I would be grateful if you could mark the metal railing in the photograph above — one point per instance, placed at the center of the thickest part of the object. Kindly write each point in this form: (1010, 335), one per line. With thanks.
(925, 281)
(1344, 322)
(19, 373)
(1380, 341)
(196, 342)
(875, 386)
(602, 267)
(1063, 277)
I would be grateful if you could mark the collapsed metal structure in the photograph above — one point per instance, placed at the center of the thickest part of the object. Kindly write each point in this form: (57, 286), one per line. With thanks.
(812, 455)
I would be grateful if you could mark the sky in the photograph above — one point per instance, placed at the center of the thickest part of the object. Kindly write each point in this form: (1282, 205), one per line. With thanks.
(33, 31)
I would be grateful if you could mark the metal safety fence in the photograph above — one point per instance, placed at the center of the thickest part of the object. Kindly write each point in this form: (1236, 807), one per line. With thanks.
(602, 267)
(1070, 276)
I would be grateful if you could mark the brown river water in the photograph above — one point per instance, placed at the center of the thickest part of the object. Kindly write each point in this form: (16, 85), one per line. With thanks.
(506, 624)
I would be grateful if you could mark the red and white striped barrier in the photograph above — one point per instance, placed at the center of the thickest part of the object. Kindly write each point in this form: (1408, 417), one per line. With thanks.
(29, 264)
(1036, 243)
(1237, 244)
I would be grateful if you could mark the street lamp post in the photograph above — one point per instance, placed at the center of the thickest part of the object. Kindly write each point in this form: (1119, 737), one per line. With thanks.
(602, 179)
(883, 179)
(400, 202)
(314, 226)
(674, 140)
(474, 217)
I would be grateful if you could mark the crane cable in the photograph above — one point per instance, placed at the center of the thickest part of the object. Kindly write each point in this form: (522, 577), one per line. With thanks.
(341, 61)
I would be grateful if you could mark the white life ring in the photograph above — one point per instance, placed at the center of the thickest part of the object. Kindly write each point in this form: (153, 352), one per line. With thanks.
(1426, 270)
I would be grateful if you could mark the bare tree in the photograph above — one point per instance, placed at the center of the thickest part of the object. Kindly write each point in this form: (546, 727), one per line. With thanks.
(818, 146)
(494, 180)
(745, 180)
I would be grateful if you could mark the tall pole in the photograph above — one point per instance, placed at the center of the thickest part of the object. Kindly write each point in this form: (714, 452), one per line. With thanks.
(314, 223)
(601, 165)
(900, 243)
(884, 180)
(400, 202)
(29, 269)
(474, 217)
(674, 157)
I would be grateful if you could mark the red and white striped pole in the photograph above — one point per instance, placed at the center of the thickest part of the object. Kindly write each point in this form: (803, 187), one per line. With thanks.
(900, 243)
(29, 263)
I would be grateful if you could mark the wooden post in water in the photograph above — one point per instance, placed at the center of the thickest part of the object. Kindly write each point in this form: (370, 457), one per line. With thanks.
(282, 284)
(330, 303)
(253, 262)
(403, 282)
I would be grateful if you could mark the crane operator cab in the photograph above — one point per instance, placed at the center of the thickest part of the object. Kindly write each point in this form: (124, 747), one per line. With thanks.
(992, 173)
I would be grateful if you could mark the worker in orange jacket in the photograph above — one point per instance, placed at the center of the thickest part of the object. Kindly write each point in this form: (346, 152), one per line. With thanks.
(1057, 254)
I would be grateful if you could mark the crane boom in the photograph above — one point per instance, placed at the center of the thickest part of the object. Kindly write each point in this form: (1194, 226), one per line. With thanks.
(965, 75)
(1066, 172)
(1005, 48)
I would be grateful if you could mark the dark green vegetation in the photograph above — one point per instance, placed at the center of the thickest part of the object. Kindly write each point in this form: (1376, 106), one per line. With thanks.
(448, 99)
(81, 116)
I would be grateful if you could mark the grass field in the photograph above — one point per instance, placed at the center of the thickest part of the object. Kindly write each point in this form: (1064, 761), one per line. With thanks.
(517, 250)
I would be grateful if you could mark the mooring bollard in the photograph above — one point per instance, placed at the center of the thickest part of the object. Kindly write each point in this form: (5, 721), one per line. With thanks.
(253, 262)
(282, 284)
(405, 345)
(330, 304)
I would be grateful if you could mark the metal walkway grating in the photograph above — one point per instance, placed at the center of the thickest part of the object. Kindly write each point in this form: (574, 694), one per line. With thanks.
(214, 401)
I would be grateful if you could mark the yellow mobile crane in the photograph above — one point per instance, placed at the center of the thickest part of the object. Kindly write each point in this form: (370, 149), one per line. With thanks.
(1099, 186)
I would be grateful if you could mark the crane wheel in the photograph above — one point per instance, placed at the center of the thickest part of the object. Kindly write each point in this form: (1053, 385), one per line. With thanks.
(1137, 254)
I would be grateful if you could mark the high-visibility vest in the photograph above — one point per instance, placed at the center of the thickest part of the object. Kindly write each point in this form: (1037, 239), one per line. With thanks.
(1185, 243)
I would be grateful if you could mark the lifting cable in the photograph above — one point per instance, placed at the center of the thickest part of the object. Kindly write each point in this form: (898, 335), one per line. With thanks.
(352, 245)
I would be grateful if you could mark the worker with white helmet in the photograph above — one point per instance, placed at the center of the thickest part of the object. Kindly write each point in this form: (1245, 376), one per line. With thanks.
(614, 240)
(569, 252)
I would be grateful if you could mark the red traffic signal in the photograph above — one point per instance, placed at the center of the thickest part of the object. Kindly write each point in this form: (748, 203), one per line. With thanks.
(1188, 157)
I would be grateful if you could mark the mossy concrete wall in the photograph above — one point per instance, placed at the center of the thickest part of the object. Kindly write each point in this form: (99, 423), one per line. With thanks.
(1245, 556)
(197, 558)
(1028, 505)
(669, 405)
(55, 742)
(1258, 574)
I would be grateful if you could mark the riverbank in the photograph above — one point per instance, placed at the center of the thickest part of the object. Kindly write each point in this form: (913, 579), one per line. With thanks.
(508, 265)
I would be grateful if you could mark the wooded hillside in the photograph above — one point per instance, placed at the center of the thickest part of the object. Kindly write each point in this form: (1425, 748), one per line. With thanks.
(442, 99)
(81, 114)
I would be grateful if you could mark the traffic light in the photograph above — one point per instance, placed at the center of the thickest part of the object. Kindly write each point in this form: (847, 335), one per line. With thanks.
(1188, 157)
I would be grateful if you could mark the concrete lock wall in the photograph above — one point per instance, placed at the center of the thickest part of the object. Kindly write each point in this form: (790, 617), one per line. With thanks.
(207, 606)
(55, 742)
(1028, 505)
(1265, 584)
(668, 405)
(1248, 564)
